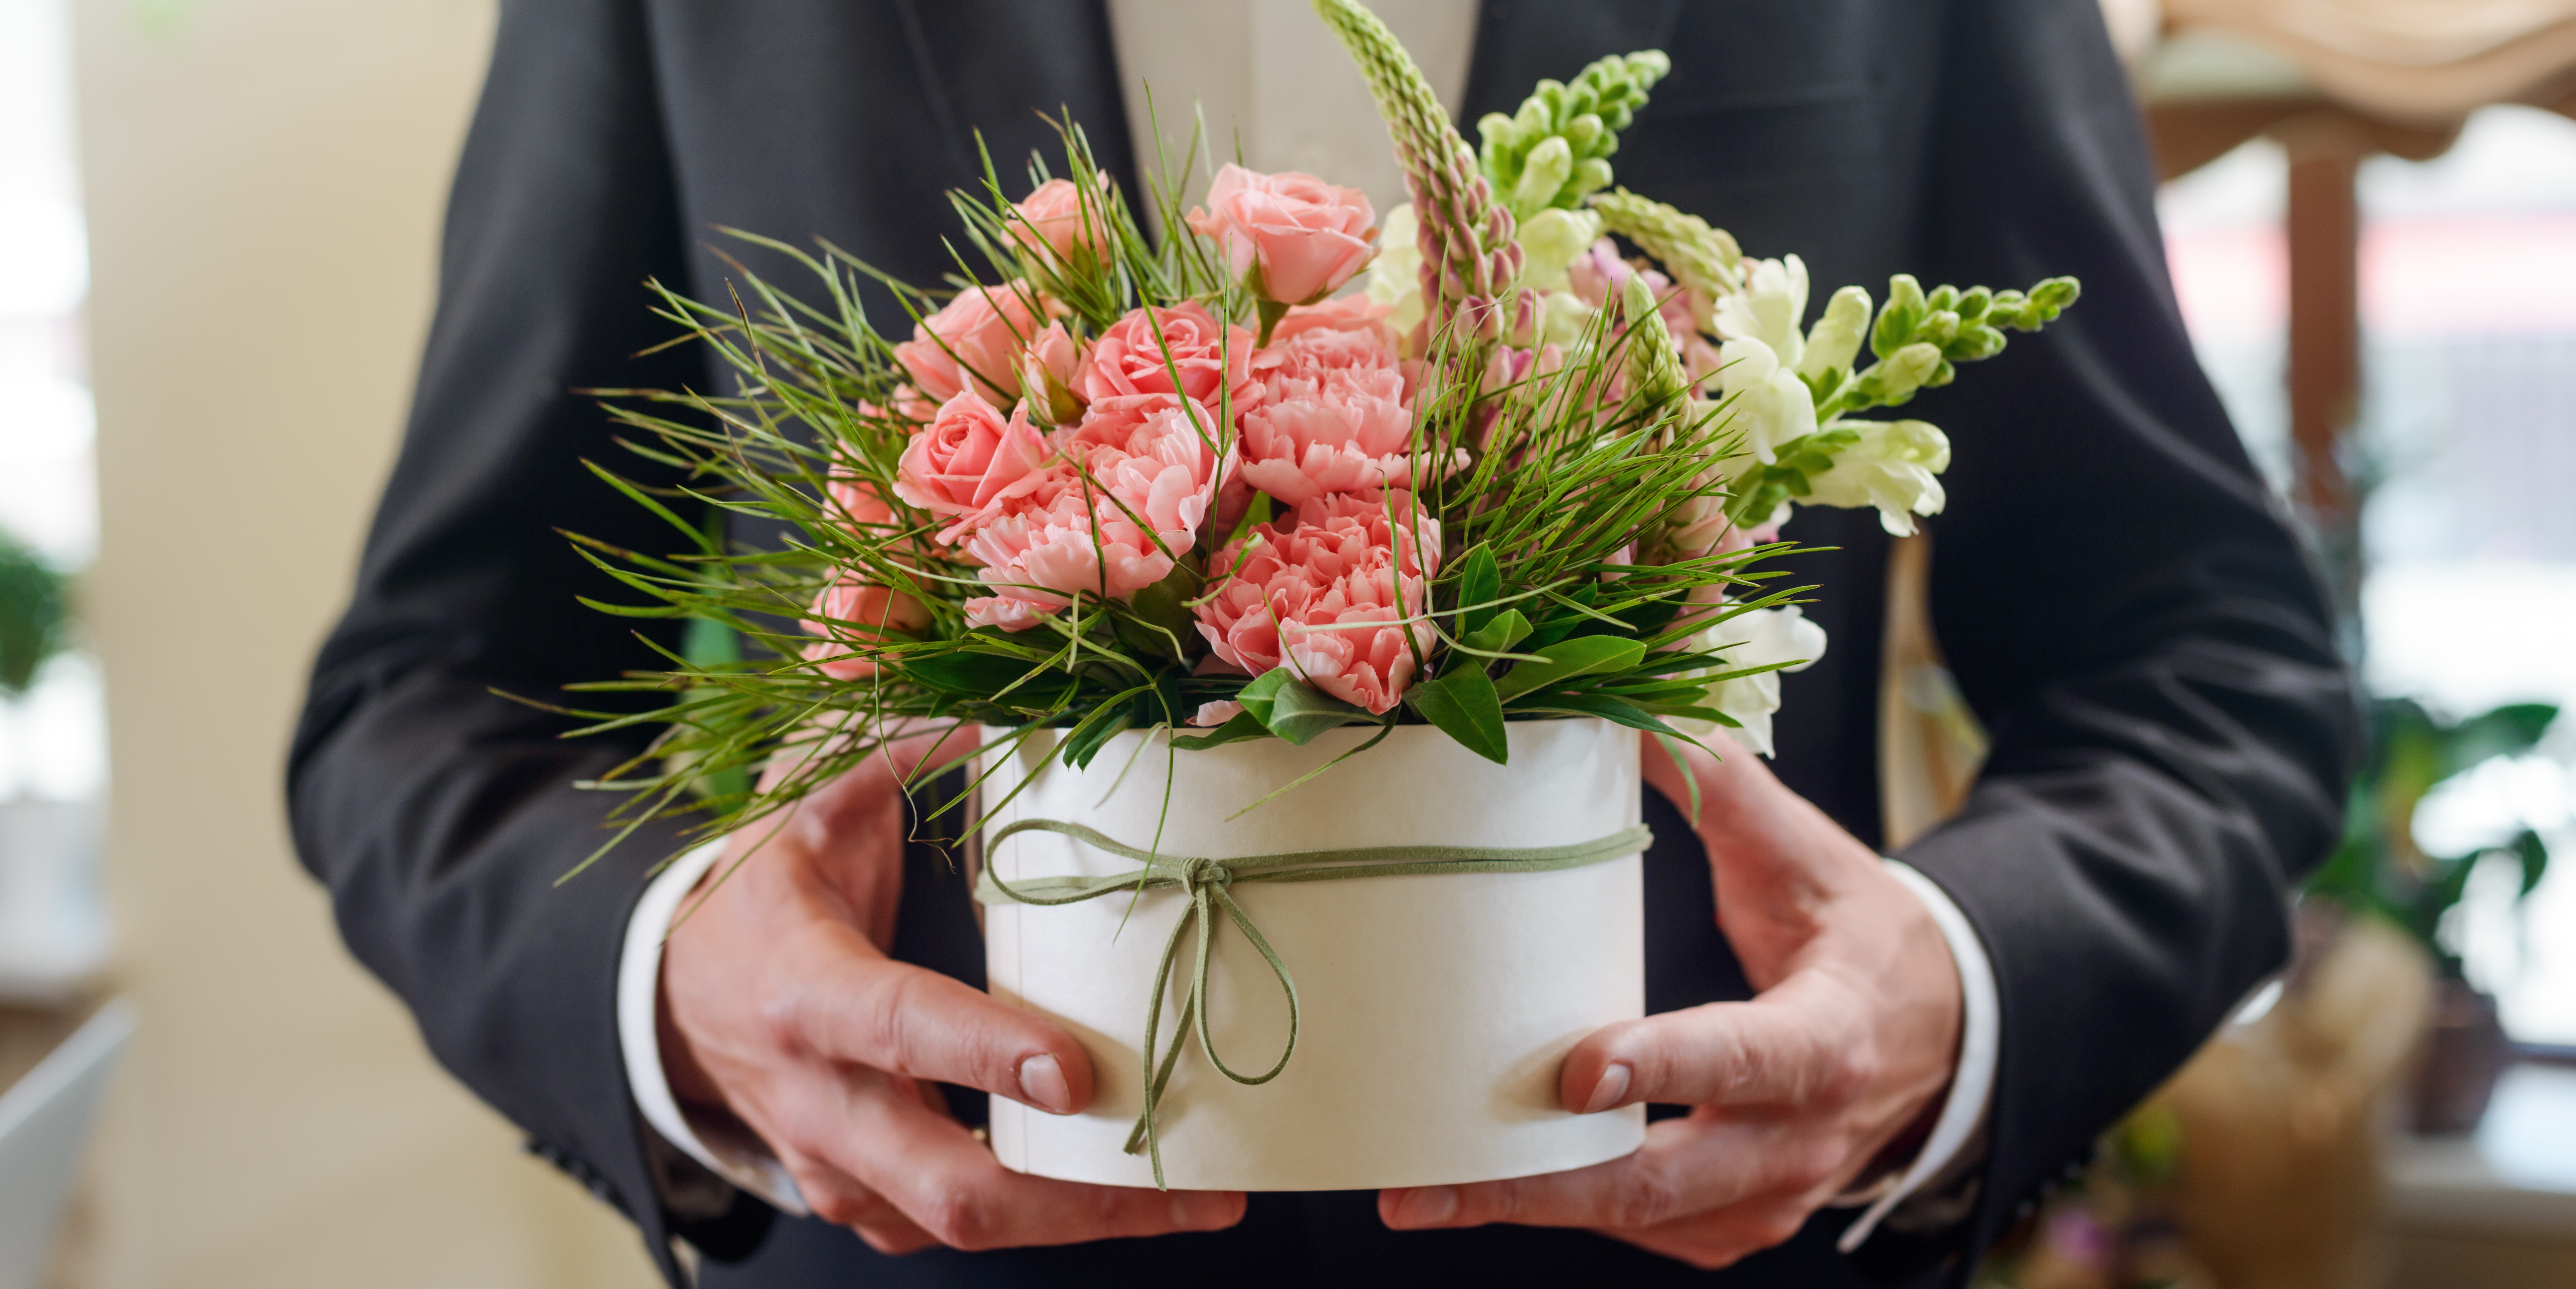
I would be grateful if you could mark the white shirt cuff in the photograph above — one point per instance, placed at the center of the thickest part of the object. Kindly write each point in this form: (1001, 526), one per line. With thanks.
(1972, 1085)
(726, 1150)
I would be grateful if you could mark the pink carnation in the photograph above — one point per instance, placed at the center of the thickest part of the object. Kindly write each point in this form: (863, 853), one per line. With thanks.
(1308, 590)
(1044, 551)
(855, 618)
(1004, 612)
(1331, 414)
(1342, 313)
(1307, 237)
(1132, 482)
(968, 460)
(978, 336)
(1052, 221)
(1134, 356)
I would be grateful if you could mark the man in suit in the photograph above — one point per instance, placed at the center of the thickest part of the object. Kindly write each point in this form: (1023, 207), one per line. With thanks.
(2121, 606)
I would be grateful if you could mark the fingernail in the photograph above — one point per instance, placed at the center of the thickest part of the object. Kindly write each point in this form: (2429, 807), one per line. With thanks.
(1606, 1093)
(1042, 1085)
(1428, 1206)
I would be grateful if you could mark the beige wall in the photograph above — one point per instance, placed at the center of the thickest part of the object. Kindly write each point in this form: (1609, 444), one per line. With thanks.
(264, 179)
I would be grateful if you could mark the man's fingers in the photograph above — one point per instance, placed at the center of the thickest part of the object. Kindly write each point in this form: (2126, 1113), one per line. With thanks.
(1688, 1168)
(1787, 1047)
(864, 1008)
(950, 1186)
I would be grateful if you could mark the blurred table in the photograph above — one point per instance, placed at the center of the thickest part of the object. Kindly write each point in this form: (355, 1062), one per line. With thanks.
(2496, 1210)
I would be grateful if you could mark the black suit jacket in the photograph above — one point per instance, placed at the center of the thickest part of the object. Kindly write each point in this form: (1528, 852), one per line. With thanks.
(2171, 724)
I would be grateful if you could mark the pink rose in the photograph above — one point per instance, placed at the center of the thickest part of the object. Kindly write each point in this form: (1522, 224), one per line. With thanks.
(978, 336)
(1339, 565)
(1052, 221)
(968, 459)
(1330, 414)
(1134, 356)
(1047, 373)
(1305, 236)
(862, 508)
(855, 618)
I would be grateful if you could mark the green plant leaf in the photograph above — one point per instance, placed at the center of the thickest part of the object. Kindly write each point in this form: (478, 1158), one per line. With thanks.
(1465, 705)
(1499, 634)
(1617, 711)
(965, 671)
(1580, 656)
(1480, 583)
(1292, 711)
(1242, 725)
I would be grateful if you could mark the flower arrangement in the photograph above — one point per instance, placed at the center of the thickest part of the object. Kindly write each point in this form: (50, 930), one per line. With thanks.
(1298, 465)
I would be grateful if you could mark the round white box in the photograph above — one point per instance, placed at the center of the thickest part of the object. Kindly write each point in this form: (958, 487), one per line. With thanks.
(1435, 1010)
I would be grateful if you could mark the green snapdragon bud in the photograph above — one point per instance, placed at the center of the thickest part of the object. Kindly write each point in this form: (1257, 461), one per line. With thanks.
(1547, 168)
(1835, 341)
(1975, 342)
(1898, 318)
(1520, 156)
(1894, 378)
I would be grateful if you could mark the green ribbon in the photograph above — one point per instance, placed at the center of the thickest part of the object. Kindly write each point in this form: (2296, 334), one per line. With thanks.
(1207, 882)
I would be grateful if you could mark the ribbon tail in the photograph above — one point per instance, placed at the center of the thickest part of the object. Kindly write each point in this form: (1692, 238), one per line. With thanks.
(1278, 968)
(1155, 1082)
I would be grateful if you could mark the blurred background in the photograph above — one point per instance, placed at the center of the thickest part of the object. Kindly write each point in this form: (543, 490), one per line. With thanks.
(218, 223)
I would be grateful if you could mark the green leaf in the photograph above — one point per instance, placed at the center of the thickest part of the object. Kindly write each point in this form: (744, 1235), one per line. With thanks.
(1106, 722)
(964, 671)
(1465, 705)
(1291, 710)
(1618, 711)
(1580, 656)
(1480, 583)
(1506, 629)
(1242, 725)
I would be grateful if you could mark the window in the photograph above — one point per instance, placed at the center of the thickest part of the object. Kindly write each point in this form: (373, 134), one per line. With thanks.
(52, 737)
(2467, 436)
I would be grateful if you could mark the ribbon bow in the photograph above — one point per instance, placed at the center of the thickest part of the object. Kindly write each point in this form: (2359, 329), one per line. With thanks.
(1207, 883)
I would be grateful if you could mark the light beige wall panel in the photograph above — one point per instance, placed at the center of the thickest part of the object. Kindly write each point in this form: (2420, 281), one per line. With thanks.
(264, 182)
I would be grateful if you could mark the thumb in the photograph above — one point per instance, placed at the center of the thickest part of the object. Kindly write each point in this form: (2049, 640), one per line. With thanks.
(1779, 1049)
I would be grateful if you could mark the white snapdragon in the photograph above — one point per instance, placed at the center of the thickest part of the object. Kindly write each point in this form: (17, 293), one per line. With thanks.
(1771, 405)
(1835, 341)
(1755, 638)
(1564, 320)
(1894, 467)
(1395, 276)
(1551, 241)
(1769, 308)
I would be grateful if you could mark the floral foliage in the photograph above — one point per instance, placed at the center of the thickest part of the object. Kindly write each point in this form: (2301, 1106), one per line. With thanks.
(1109, 484)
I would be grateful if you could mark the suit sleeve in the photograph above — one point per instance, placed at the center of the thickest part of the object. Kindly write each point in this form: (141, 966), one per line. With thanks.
(2172, 724)
(439, 815)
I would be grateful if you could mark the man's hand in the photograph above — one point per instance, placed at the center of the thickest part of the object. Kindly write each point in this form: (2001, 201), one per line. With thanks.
(781, 1007)
(1847, 1046)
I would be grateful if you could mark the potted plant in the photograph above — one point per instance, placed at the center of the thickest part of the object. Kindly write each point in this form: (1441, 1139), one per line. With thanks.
(2380, 870)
